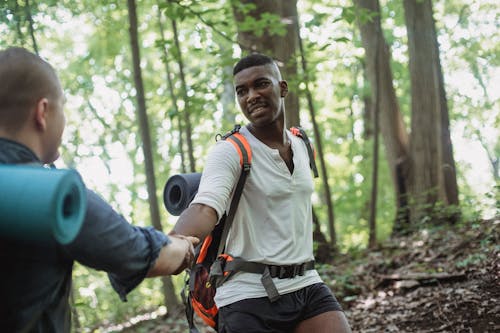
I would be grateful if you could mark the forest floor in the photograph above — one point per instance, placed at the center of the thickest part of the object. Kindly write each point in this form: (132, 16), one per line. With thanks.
(436, 280)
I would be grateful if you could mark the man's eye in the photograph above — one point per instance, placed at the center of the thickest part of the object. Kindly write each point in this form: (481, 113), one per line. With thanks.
(263, 84)
(240, 92)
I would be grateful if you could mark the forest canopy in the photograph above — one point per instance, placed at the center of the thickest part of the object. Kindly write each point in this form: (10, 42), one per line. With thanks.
(390, 92)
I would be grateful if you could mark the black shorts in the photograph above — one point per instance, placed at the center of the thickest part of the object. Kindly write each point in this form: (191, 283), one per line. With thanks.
(260, 315)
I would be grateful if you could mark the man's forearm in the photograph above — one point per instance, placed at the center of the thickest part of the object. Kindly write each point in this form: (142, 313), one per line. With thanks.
(198, 220)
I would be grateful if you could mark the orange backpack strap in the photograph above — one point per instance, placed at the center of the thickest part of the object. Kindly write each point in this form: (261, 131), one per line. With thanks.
(204, 274)
(243, 148)
(298, 131)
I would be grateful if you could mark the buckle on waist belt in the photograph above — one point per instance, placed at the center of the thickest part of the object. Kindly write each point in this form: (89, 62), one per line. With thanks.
(275, 271)
(268, 272)
(290, 271)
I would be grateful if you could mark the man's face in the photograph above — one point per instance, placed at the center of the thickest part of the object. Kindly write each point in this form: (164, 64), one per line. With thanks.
(55, 128)
(259, 92)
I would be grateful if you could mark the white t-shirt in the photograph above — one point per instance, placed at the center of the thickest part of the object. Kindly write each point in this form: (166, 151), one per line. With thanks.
(273, 222)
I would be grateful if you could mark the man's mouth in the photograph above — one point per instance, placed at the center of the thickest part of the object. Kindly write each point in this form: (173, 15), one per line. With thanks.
(257, 108)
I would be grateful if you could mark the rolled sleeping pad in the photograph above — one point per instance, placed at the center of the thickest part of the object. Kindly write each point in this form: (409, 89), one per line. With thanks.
(41, 204)
(179, 191)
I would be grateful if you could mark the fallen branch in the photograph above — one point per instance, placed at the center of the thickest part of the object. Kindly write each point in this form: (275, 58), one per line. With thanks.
(418, 279)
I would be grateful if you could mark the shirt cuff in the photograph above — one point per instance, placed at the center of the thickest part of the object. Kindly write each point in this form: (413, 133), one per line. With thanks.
(157, 240)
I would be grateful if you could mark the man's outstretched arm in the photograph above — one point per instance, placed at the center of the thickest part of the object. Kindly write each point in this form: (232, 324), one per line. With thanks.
(198, 220)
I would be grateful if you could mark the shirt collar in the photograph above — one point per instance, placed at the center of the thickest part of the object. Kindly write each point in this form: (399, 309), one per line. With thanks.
(15, 152)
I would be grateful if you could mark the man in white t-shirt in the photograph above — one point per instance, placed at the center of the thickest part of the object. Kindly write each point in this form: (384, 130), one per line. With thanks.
(273, 222)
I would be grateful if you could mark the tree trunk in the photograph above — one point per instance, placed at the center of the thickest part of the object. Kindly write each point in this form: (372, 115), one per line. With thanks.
(448, 168)
(324, 251)
(372, 236)
(288, 52)
(172, 94)
(17, 18)
(32, 29)
(170, 298)
(282, 48)
(319, 146)
(185, 111)
(426, 168)
(392, 127)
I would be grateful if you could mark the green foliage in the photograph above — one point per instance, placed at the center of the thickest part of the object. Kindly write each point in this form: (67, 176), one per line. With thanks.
(243, 8)
(173, 11)
(341, 281)
(349, 15)
(486, 245)
(268, 22)
(88, 43)
(97, 304)
(471, 260)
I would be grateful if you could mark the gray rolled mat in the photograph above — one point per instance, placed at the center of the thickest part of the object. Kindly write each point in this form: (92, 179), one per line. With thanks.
(179, 191)
(41, 204)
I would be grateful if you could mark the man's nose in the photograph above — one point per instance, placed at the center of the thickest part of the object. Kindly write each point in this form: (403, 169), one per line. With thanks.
(252, 96)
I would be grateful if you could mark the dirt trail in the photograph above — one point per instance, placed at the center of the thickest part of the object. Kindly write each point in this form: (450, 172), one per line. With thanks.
(437, 280)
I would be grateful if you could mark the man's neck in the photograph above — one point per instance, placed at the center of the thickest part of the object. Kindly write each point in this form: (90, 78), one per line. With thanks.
(273, 135)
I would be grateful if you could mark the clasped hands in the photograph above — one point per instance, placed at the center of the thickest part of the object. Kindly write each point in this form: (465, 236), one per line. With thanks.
(181, 252)
(174, 257)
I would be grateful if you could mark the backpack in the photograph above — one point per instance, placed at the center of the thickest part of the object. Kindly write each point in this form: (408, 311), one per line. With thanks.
(213, 267)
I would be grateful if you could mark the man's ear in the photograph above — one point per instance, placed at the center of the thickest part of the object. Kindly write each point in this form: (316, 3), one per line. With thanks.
(283, 88)
(41, 110)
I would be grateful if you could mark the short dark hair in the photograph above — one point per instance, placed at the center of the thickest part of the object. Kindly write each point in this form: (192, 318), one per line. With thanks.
(254, 59)
(26, 77)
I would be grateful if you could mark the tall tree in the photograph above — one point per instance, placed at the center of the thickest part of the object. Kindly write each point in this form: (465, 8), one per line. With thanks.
(317, 136)
(379, 74)
(432, 168)
(170, 297)
(173, 95)
(448, 167)
(186, 110)
(272, 27)
(269, 27)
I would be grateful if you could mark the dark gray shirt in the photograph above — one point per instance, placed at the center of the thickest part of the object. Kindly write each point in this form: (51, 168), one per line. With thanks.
(35, 280)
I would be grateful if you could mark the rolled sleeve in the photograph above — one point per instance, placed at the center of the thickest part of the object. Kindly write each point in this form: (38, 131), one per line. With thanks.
(122, 284)
(109, 243)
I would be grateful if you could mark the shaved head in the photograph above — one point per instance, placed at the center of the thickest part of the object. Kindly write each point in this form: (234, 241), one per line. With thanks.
(25, 79)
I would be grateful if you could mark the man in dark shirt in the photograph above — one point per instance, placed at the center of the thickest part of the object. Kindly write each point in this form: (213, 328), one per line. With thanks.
(36, 277)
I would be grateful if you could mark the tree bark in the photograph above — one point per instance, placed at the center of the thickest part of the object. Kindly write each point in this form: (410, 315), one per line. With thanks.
(185, 111)
(448, 168)
(392, 127)
(172, 95)
(372, 235)
(282, 48)
(170, 298)
(429, 123)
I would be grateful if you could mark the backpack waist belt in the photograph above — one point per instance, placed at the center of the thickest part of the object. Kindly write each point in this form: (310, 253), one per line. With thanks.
(268, 272)
(275, 271)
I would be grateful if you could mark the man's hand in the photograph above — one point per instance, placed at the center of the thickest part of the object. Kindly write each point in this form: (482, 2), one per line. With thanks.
(188, 252)
(175, 257)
